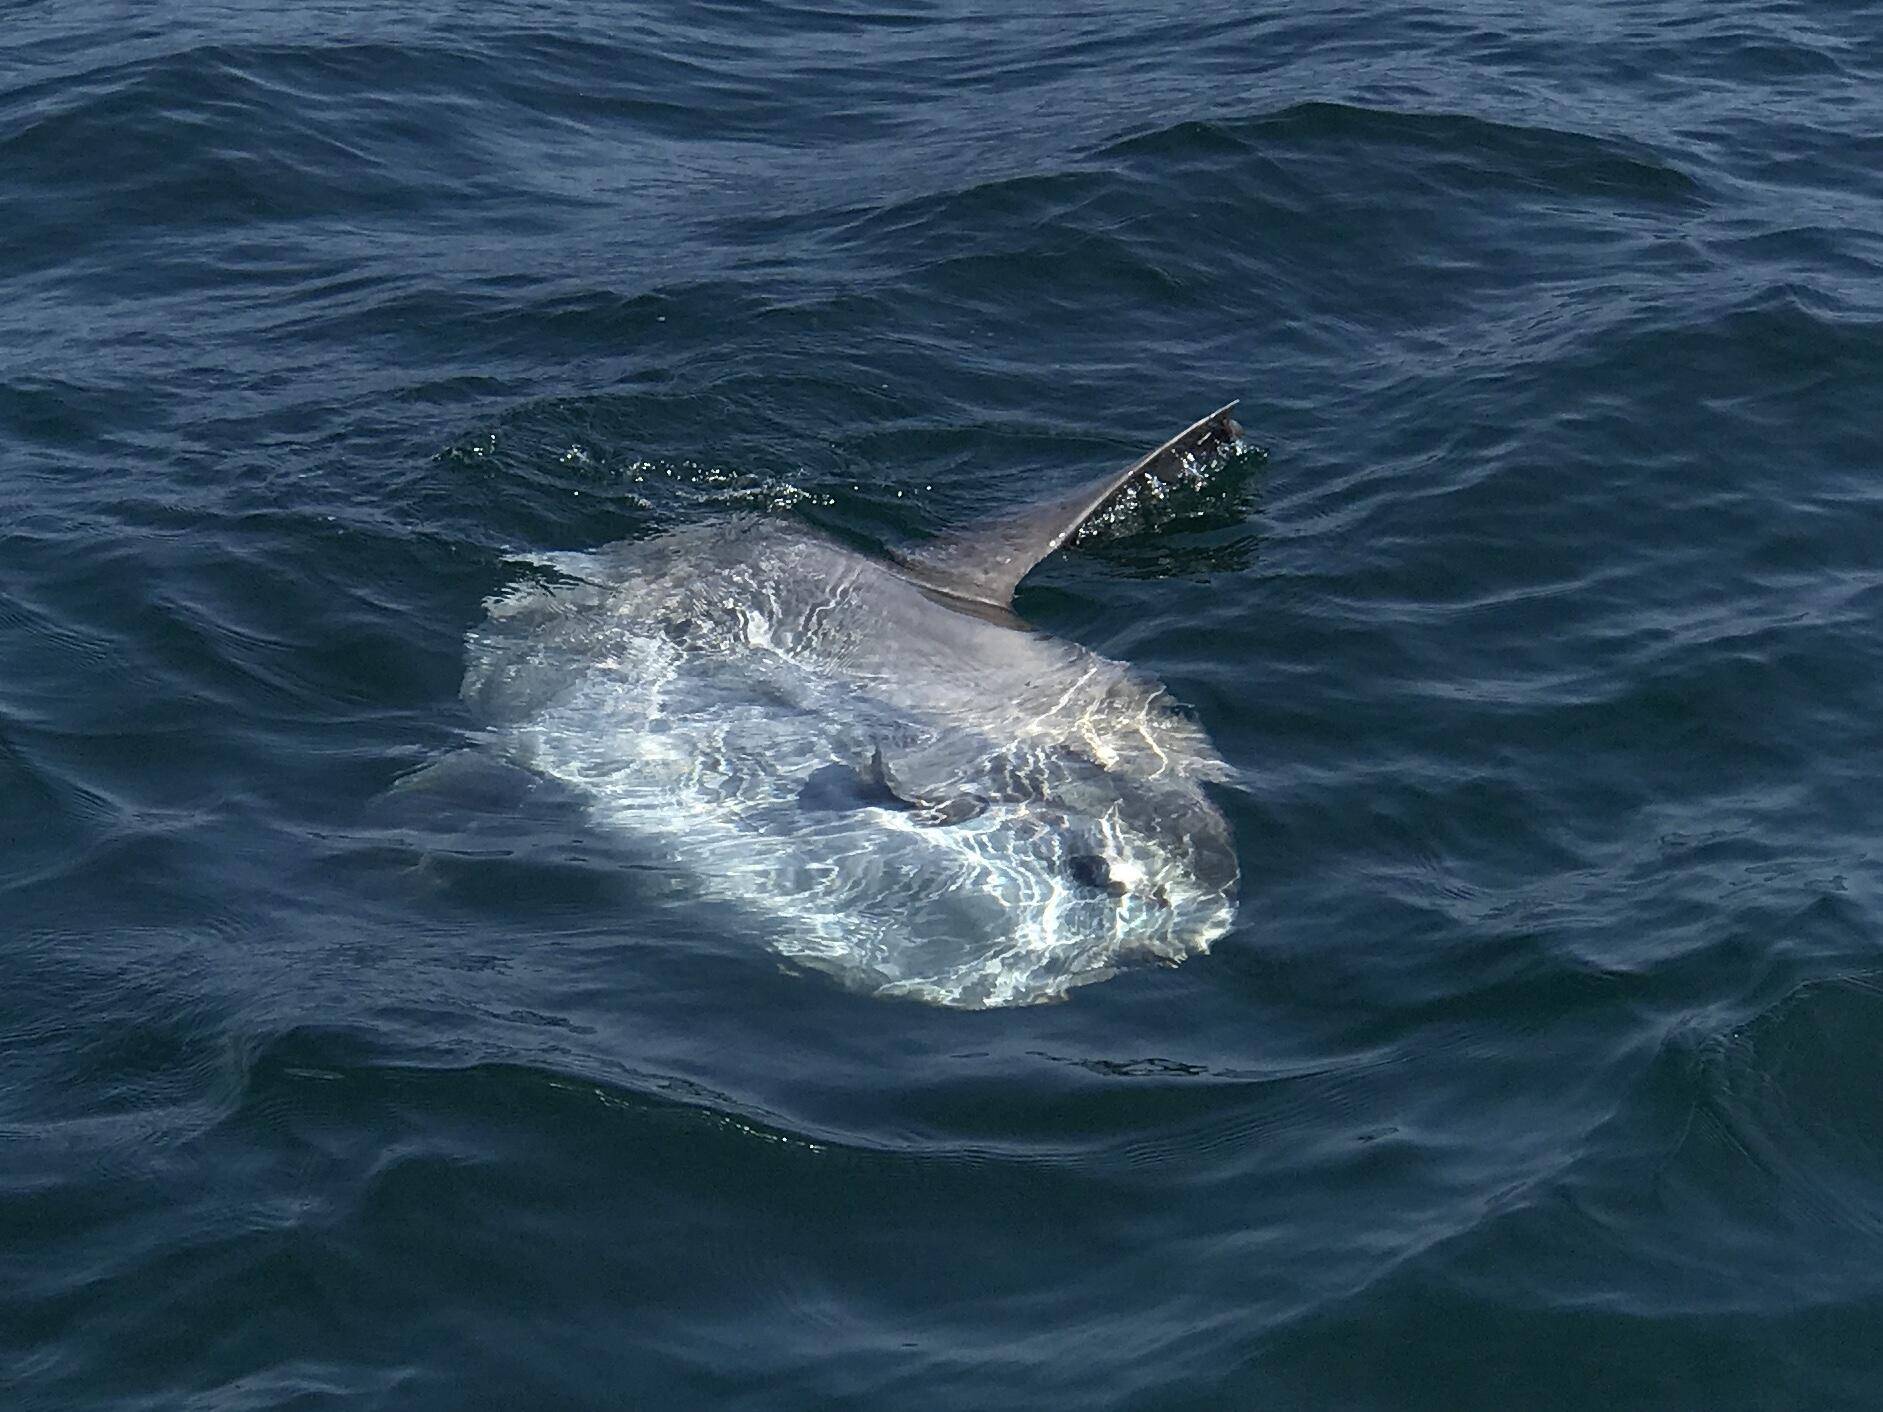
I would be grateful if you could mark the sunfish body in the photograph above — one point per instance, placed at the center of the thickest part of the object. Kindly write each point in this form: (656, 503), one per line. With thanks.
(918, 794)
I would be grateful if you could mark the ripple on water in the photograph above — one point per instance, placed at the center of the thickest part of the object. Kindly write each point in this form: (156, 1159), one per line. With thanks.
(1535, 1072)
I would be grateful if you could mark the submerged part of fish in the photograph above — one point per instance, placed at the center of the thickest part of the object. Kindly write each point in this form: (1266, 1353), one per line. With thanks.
(904, 785)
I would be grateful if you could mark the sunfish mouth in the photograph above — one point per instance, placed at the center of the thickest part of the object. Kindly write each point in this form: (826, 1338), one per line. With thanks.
(1119, 877)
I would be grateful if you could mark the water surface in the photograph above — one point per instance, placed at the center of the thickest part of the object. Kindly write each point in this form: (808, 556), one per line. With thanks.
(1539, 1067)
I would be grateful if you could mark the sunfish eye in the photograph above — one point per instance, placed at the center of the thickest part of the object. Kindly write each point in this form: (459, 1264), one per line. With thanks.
(1095, 870)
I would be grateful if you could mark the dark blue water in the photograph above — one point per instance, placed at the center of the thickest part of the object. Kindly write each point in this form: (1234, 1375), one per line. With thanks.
(1541, 1069)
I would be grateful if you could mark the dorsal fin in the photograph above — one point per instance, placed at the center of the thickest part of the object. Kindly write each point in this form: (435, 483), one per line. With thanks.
(986, 563)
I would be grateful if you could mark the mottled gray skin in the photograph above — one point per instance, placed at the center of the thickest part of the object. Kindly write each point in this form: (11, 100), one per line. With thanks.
(908, 789)
(1035, 818)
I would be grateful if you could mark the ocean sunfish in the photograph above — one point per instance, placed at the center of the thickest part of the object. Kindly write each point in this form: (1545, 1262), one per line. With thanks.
(906, 786)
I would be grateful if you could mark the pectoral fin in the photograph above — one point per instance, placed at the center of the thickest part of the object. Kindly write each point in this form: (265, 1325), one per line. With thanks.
(838, 787)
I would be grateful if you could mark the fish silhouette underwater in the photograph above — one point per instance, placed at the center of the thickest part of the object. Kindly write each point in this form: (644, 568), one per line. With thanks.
(909, 787)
